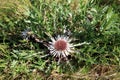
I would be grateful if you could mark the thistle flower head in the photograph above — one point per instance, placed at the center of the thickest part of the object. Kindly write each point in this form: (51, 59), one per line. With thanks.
(26, 34)
(60, 46)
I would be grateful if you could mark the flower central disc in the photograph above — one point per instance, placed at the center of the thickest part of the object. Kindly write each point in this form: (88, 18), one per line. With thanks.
(60, 45)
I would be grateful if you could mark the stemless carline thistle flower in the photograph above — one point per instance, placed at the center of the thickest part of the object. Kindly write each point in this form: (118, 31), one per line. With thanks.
(60, 46)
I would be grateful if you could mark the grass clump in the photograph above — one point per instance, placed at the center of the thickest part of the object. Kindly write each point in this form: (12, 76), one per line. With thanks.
(14, 10)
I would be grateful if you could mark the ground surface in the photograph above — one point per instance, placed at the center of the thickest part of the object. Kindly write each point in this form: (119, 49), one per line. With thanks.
(93, 21)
